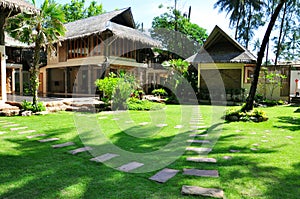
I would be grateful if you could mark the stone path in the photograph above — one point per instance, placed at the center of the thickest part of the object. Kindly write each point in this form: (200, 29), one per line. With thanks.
(200, 191)
(25, 132)
(63, 145)
(49, 140)
(35, 136)
(198, 135)
(161, 125)
(130, 166)
(201, 173)
(19, 128)
(199, 150)
(80, 150)
(104, 157)
(199, 141)
(164, 175)
(201, 159)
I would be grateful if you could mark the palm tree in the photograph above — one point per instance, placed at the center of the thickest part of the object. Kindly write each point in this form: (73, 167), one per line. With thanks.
(43, 30)
(250, 99)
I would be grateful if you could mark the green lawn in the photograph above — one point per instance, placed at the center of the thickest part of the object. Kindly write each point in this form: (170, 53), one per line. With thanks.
(30, 169)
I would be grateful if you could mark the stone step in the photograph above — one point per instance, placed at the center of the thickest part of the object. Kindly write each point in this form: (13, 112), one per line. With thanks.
(35, 136)
(201, 173)
(164, 175)
(63, 145)
(25, 132)
(130, 166)
(80, 150)
(201, 159)
(49, 140)
(104, 157)
(199, 150)
(200, 191)
(199, 141)
(19, 128)
(198, 135)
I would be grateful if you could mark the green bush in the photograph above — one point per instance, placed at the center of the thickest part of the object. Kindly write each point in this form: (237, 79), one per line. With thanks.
(269, 102)
(159, 92)
(235, 114)
(143, 105)
(28, 106)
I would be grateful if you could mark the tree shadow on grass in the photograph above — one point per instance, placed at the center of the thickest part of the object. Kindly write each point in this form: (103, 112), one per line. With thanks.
(290, 123)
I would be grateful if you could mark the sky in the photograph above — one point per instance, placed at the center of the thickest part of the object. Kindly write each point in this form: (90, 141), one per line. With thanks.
(203, 12)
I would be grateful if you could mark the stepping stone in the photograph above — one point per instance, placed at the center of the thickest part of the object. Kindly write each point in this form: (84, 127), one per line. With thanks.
(253, 133)
(19, 128)
(200, 191)
(144, 123)
(199, 150)
(289, 137)
(201, 173)
(264, 136)
(34, 136)
(29, 131)
(234, 151)
(104, 157)
(255, 144)
(267, 131)
(253, 149)
(115, 119)
(164, 175)
(102, 118)
(200, 159)
(227, 157)
(178, 127)
(161, 125)
(264, 141)
(198, 131)
(10, 125)
(49, 140)
(1, 133)
(238, 131)
(198, 127)
(129, 122)
(63, 145)
(130, 166)
(198, 135)
(199, 141)
(80, 150)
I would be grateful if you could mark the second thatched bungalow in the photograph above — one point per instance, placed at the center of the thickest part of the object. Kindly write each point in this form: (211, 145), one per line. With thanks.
(92, 48)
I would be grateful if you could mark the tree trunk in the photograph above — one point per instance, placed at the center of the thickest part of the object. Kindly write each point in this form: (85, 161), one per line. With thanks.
(238, 21)
(278, 51)
(35, 71)
(250, 99)
(3, 16)
(248, 26)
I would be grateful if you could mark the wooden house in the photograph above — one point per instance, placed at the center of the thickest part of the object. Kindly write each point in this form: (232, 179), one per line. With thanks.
(94, 47)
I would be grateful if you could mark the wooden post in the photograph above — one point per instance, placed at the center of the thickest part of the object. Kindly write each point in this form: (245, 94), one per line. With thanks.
(21, 80)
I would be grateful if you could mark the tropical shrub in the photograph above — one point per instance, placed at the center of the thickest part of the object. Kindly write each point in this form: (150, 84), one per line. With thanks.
(143, 105)
(159, 92)
(235, 115)
(28, 106)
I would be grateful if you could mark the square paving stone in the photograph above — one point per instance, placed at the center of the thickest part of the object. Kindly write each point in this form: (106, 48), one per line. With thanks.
(144, 123)
(130, 166)
(34, 136)
(200, 191)
(234, 151)
(104, 157)
(199, 150)
(49, 140)
(29, 131)
(198, 135)
(19, 128)
(178, 127)
(201, 159)
(1, 133)
(10, 125)
(289, 137)
(164, 175)
(199, 141)
(63, 145)
(80, 150)
(161, 125)
(201, 173)
(198, 127)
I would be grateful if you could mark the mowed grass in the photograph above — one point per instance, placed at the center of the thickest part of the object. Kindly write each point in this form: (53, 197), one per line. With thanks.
(30, 169)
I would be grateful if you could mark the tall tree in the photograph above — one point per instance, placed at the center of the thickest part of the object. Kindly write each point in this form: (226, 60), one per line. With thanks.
(76, 10)
(177, 33)
(250, 98)
(43, 30)
(245, 16)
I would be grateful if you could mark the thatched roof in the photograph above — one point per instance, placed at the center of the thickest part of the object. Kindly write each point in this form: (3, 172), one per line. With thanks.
(17, 6)
(221, 48)
(119, 22)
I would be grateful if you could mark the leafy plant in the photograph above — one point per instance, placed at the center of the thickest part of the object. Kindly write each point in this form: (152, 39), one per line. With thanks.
(159, 92)
(236, 114)
(143, 105)
(28, 106)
